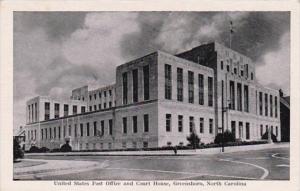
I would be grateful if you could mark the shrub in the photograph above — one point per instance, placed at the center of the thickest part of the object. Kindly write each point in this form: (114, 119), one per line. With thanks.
(44, 150)
(66, 148)
(34, 149)
(273, 137)
(228, 137)
(18, 152)
(193, 140)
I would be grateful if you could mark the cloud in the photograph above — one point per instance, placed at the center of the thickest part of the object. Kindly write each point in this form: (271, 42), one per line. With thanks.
(275, 71)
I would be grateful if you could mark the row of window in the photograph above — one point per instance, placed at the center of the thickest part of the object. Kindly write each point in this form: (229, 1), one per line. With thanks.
(57, 110)
(94, 146)
(192, 126)
(32, 113)
(100, 95)
(180, 86)
(268, 100)
(83, 130)
(267, 128)
(234, 71)
(99, 107)
(135, 124)
(135, 86)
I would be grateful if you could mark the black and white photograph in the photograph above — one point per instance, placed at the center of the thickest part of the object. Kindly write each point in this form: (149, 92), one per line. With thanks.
(146, 96)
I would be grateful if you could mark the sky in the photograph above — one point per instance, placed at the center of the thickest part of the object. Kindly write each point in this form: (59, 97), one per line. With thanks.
(55, 52)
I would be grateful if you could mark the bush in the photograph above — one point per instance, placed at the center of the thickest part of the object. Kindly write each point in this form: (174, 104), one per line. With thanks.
(44, 150)
(273, 137)
(228, 137)
(66, 148)
(34, 149)
(193, 140)
(18, 152)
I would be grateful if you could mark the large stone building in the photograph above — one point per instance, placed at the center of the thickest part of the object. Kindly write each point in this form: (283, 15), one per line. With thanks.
(158, 100)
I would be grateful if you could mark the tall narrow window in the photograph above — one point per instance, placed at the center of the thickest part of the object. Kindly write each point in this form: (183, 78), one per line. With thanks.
(179, 84)
(75, 130)
(146, 123)
(232, 95)
(180, 123)
(74, 109)
(65, 131)
(191, 86)
(239, 97)
(110, 126)
(271, 106)
(168, 122)
(146, 82)
(70, 130)
(95, 128)
(211, 121)
(276, 109)
(47, 110)
(210, 91)
(102, 127)
(233, 130)
(261, 130)
(36, 115)
(50, 132)
(125, 87)
(81, 129)
(124, 125)
(266, 105)
(247, 130)
(201, 89)
(246, 98)
(83, 109)
(260, 103)
(66, 110)
(168, 81)
(42, 132)
(201, 125)
(87, 129)
(192, 124)
(135, 80)
(46, 134)
(134, 124)
(59, 130)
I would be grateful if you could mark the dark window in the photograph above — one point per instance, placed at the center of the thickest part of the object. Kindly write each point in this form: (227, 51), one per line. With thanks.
(266, 105)
(102, 127)
(242, 73)
(191, 86)
(247, 131)
(146, 123)
(82, 109)
(66, 109)
(91, 108)
(252, 76)
(210, 91)
(261, 130)
(233, 131)
(99, 94)
(54, 133)
(135, 80)
(124, 125)
(201, 89)
(47, 110)
(90, 97)
(75, 130)
(235, 71)
(95, 107)
(168, 81)
(232, 95)
(104, 93)
(192, 124)
(168, 122)
(46, 133)
(59, 130)
(228, 68)
(201, 126)
(87, 129)
(99, 106)
(246, 98)
(125, 88)
(110, 104)
(110, 126)
(95, 128)
(239, 97)
(275, 106)
(110, 93)
(104, 105)
(179, 84)
(81, 129)
(146, 82)
(276, 131)
(42, 132)
(50, 132)
(211, 126)
(56, 110)
(180, 123)
(260, 103)
(95, 96)
(70, 130)
(222, 65)
(64, 135)
(271, 106)
(134, 124)
(74, 109)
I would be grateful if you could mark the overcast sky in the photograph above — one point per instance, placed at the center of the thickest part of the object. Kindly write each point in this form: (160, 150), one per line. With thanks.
(59, 51)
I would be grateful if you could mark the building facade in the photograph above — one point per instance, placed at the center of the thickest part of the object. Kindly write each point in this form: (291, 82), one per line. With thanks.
(158, 100)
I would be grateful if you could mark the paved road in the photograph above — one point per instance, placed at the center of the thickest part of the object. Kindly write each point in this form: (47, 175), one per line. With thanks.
(268, 164)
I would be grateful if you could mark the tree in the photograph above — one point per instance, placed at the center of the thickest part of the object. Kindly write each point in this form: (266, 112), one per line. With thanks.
(228, 137)
(18, 153)
(193, 140)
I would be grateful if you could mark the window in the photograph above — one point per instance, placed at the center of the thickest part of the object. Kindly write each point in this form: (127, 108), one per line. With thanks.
(99, 105)
(191, 86)
(124, 125)
(241, 129)
(47, 110)
(145, 144)
(82, 109)
(110, 93)
(247, 131)
(252, 76)
(90, 97)
(271, 106)
(95, 96)
(104, 105)
(70, 130)
(222, 65)
(50, 132)
(146, 82)
(210, 91)
(64, 135)
(180, 123)
(168, 122)
(233, 131)
(228, 68)
(246, 98)
(66, 109)
(95, 107)
(260, 103)
(179, 84)
(201, 126)
(134, 124)
(135, 80)
(110, 104)
(211, 126)
(235, 71)
(81, 129)
(276, 131)
(46, 134)
(239, 96)
(102, 127)
(201, 89)
(168, 81)
(232, 95)
(28, 113)
(95, 128)
(75, 130)
(110, 123)
(261, 130)
(74, 109)
(42, 132)
(242, 73)
(275, 106)
(99, 94)
(54, 133)
(192, 124)
(146, 123)
(104, 93)
(87, 129)
(266, 105)
(59, 129)
(91, 108)
(125, 88)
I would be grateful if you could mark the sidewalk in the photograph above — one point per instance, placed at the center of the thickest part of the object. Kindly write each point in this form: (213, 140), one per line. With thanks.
(208, 151)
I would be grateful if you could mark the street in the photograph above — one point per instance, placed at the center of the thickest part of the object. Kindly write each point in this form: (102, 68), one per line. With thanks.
(267, 164)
